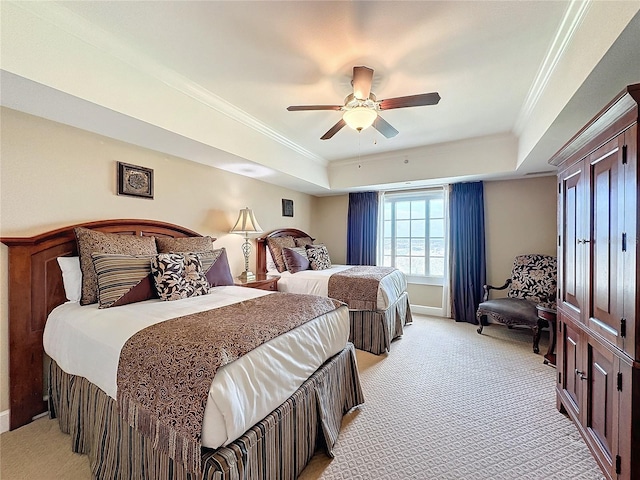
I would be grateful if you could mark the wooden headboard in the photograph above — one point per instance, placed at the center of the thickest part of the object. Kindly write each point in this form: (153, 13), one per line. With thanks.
(36, 288)
(261, 253)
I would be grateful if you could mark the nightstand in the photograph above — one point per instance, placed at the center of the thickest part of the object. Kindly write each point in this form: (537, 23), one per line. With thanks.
(261, 282)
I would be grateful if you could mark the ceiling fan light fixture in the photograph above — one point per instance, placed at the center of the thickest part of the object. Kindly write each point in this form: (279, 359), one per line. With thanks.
(359, 118)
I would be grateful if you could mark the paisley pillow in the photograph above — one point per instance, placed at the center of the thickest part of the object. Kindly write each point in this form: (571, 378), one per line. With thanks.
(303, 241)
(184, 244)
(276, 244)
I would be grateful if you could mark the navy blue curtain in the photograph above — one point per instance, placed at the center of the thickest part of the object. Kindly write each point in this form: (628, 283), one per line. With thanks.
(362, 228)
(468, 262)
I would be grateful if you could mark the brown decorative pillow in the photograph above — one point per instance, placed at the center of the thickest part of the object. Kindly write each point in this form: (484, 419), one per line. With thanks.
(318, 257)
(276, 244)
(295, 259)
(123, 279)
(92, 241)
(303, 241)
(184, 244)
(216, 267)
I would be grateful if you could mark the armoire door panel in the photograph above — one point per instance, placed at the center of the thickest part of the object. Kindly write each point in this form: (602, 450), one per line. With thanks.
(572, 366)
(601, 398)
(602, 402)
(605, 245)
(572, 268)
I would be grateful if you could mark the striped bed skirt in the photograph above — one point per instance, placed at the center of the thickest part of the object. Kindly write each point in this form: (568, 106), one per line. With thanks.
(278, 447)
(373, 330)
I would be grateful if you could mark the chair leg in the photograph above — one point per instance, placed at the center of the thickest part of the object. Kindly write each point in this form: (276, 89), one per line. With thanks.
(536, 338)
(480, 325)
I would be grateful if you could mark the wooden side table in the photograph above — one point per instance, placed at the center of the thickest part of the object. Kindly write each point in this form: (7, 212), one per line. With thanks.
(261, 282)
(548, 313)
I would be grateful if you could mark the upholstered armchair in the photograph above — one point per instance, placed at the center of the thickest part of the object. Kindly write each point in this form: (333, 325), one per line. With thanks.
(533, 281)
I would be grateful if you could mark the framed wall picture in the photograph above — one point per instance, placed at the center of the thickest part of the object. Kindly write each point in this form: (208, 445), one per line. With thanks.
(287, 208)
(135, 181)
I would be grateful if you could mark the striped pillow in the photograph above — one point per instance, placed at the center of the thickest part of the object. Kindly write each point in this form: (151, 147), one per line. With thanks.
(123, 279)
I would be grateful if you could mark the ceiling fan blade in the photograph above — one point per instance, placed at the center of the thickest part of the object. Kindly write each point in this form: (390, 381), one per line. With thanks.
(333, 130)
(410, 101)
(384, 127)
(362, 78)
(299, 108)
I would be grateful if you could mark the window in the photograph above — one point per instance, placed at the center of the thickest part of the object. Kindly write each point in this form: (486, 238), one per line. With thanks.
(414, 234)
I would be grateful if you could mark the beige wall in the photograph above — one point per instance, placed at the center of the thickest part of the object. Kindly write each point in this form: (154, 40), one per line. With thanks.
(53, 175)
(330, 225)
(520, 217)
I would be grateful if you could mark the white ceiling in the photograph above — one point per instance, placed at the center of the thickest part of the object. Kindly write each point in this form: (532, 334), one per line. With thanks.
(211, 80)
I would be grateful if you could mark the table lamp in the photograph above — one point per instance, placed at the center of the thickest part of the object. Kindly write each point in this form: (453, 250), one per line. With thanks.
(245, 225)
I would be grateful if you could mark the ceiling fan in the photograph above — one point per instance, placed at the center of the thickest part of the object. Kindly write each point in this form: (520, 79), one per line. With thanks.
(361, 107)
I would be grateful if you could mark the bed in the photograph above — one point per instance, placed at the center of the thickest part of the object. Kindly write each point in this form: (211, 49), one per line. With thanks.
(375, 322)
(274, 443)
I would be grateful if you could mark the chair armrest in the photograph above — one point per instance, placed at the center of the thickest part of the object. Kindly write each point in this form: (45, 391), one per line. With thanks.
(486, 288)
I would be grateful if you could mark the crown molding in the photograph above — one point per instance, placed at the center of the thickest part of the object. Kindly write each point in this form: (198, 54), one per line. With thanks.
(79, 27)
(571, 20)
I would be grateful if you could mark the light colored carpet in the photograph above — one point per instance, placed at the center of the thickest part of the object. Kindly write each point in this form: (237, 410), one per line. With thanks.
(446, 403)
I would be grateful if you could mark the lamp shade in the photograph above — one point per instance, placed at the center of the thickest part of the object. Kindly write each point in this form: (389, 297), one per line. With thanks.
(246, 222)
(359, 118)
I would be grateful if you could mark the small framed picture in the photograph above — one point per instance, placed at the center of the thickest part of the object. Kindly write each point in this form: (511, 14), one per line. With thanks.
(287, 208)
(135, 181)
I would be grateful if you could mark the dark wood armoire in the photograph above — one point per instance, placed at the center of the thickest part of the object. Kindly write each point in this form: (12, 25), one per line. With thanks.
(598, 361)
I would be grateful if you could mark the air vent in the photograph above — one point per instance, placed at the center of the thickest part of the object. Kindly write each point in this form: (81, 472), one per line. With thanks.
(545, 172)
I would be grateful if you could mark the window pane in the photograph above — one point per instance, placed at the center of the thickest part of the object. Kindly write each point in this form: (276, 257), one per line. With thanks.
(387, 229)
(436, 266)
(436, 247)
(418, 209)
(403, 210)
(417, 266)
(386, 248)
(417, 247)
(417, 228)
(402, 246)
(436, 208)
(436, 228)
(403, 264)
(387, 210)
(402, 228)
(386, 261)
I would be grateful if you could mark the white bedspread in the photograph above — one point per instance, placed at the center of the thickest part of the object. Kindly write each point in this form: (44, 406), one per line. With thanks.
(86, 341)
(316, 282)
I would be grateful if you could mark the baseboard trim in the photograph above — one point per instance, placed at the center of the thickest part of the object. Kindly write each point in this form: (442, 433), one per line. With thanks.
(424, 310)
(4, 421)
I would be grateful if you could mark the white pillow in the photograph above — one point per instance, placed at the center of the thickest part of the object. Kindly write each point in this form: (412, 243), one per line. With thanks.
(71, 277)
